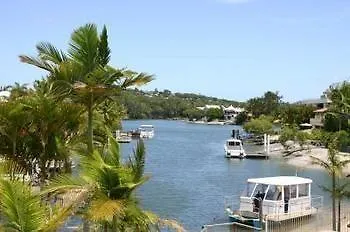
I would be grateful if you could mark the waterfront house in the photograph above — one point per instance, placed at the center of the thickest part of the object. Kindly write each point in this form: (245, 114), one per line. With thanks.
(321, 104)
(230, 113)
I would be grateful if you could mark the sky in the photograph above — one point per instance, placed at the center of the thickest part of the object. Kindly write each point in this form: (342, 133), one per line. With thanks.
(234, 49)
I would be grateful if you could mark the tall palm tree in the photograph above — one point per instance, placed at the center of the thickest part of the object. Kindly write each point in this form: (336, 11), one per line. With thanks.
(334, 167)
(85, 67)
(108, 185)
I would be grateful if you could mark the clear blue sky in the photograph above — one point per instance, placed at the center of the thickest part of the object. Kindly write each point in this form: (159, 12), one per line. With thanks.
(236, 49)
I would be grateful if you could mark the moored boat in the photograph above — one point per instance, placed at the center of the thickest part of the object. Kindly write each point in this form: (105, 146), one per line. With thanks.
(275, 199)
(234, 148)
(146, 131)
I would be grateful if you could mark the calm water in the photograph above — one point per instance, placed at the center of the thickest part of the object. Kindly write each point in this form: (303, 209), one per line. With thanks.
(190, 175)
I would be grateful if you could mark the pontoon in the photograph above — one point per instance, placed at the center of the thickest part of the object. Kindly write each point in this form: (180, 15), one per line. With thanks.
(275, 199)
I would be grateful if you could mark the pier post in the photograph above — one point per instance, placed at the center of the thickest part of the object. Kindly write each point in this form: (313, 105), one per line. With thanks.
(268, 144)
(265, 142)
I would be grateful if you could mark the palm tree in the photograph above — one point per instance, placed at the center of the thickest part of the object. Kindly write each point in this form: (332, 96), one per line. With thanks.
(23, 211)
(108, 186)
(85, 68)
(334, 166)
(52, 119)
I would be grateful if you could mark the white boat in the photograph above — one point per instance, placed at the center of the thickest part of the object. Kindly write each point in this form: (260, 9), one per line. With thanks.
(234, 149)
(146, 131)
(275, 199)
(123, 137)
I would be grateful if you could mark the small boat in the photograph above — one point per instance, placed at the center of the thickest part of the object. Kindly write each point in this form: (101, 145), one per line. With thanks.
(146, 131)
(275, 199)
(123, 137)
(234, 149)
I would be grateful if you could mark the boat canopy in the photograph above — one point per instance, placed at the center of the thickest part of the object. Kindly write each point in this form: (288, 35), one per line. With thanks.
(147, 126)
(281, 180)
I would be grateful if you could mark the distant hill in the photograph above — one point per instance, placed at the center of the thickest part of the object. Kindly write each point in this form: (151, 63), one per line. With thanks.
(165, 104)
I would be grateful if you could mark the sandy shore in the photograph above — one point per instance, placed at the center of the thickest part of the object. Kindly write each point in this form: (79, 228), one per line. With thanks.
(303, 158)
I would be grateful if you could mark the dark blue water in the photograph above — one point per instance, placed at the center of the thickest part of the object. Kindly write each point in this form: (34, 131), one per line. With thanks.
(190, 175)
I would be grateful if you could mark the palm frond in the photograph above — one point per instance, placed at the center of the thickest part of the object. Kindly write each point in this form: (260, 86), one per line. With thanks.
(83, 47)
(22, 209)
(105, 209)
(64, 183)
(104, 52)
(132, 78)
(48, 52)
(137, 162)
(36, 62)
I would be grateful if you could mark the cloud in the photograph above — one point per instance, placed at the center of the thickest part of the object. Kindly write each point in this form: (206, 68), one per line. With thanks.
(235, 1)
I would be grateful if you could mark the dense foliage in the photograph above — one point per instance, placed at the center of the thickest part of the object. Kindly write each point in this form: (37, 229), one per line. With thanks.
(165, 104)
(72, 111)
(259, 125)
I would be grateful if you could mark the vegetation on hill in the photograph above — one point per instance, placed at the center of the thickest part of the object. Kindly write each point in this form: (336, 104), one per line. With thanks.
(165, 104)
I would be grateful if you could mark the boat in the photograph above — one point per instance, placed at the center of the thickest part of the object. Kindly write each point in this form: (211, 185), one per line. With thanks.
(275, 199)
(146, 131)
(123, 137)
(234, 148)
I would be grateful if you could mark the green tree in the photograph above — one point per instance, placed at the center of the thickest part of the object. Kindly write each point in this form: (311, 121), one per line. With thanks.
(260, 125)
(214, 113)
(241, 118)
(85, 70)
(334, 166)
(23, 211)
(265, 105)
(107, 185)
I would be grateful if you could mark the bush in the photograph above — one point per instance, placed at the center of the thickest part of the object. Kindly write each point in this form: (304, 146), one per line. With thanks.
(258, 126)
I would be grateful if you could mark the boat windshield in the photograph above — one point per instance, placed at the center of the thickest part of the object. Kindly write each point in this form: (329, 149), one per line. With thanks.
(248, 190)
(233, 143)
(146, 128)
(260, 191)
(274, 193)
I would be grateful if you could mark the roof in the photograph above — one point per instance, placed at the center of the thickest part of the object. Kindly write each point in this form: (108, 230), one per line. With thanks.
(314, 101)
(305, 124)
(232, 108)
(320, 110)
(233, 140)
(281, 180)
(146, 126)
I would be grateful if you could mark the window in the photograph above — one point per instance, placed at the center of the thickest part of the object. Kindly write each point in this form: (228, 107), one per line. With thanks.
(249, 190)
(260, 190)
(303, 190)
(274, 193)
(293, 191)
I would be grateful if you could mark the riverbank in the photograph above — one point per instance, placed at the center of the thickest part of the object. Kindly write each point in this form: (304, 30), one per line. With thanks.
(302, 159)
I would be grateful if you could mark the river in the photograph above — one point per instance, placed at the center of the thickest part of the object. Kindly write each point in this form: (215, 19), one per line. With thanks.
(190, 175)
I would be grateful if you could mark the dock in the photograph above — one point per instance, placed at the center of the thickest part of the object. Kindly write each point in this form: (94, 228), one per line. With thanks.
(258, 155)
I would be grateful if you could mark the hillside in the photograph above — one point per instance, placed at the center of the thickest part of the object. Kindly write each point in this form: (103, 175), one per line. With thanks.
(165, 104)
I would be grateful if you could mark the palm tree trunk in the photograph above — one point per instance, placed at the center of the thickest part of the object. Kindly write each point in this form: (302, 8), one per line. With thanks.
(86, 225)
(90, 128)
(339, 219)
(334, 222)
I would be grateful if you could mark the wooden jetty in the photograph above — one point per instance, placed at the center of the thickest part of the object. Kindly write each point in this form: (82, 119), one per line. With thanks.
(258, 155)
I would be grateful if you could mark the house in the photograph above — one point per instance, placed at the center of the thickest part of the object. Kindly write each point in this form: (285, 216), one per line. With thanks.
(207, 107)
(321, 104)
(231, 112)
(318, 119)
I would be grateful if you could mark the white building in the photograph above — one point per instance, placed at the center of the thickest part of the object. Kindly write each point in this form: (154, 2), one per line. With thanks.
(231, 112)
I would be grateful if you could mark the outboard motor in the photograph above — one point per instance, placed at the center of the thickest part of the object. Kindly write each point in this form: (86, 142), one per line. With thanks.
(235, 134)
